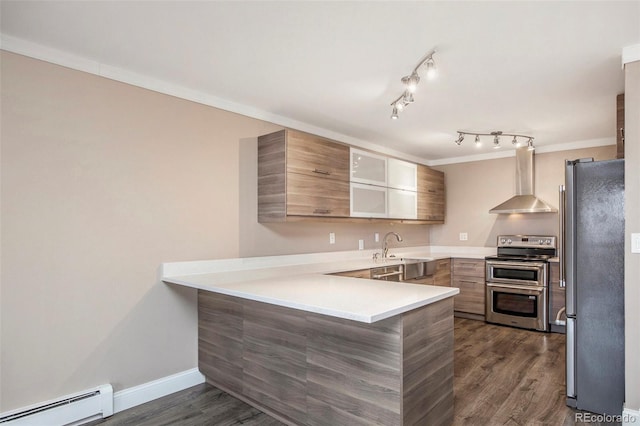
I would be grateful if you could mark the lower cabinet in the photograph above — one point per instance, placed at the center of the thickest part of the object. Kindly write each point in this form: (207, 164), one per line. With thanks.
(442, 276)
(468, 276)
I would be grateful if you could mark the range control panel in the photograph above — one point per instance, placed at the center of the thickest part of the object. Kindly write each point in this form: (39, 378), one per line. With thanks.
(530, 241)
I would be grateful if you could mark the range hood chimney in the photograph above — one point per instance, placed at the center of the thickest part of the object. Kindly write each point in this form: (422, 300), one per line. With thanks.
(524, 201)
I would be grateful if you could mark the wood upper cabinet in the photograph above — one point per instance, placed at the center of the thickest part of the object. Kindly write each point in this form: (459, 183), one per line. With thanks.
(468, 276)
(306, 177)
(301, 175)
(431, 194)
(315, 156)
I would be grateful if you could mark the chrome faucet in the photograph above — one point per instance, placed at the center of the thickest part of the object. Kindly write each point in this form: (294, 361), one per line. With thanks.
(385, 246)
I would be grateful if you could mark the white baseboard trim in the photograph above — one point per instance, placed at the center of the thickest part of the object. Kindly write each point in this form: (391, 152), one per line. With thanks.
(630, 417)
(131, 397)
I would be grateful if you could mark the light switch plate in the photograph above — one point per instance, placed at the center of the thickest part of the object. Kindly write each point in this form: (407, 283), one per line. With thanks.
(464, 236)
(635, 243)
(360, 244)
(332, 238)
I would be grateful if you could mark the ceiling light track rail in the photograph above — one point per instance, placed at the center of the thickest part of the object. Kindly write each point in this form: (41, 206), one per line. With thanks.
(524, 139)
(411, 83)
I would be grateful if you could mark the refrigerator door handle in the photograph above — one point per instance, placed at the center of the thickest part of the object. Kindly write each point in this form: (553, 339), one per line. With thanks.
(568, 255)
(561, 219)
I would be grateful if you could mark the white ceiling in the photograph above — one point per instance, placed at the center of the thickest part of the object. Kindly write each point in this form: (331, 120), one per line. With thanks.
(549, 69)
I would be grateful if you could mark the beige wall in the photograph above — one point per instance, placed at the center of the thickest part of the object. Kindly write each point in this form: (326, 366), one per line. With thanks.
(101, 183)
(476, 187)
(632, 225)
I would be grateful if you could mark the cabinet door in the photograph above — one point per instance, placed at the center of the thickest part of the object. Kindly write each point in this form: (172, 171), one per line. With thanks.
(431, 194)
(469, 267)
(315, 196)
(442, 276)
(402, 204)
(471, 297)
(316, 156)
(368, 200)
(402, 175)
(368, 168)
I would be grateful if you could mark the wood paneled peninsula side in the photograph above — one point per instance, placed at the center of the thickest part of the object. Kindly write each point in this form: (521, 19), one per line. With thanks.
(315, 349)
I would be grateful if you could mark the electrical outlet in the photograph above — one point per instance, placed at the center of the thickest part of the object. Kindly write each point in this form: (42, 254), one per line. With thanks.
(635, 243)
(376, 237)
(464, 236)
(360, 244)
(332, 238)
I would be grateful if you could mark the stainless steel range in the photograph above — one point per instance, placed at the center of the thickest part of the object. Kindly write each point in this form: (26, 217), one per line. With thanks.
(518, 281)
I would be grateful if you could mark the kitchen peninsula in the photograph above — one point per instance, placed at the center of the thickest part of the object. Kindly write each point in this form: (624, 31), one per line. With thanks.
(311, 348)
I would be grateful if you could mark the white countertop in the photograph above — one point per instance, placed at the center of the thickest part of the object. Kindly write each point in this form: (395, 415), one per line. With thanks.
(299, 281)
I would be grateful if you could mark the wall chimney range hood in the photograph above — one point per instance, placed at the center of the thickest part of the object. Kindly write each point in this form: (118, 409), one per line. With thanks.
(524, 201)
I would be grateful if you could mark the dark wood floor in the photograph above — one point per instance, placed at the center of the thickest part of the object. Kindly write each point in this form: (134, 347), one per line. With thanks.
(503, 376)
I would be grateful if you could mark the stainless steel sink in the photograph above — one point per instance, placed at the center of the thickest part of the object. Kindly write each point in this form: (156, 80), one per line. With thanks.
(418, 268)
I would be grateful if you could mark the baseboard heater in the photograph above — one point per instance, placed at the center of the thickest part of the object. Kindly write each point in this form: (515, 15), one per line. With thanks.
(72, 409)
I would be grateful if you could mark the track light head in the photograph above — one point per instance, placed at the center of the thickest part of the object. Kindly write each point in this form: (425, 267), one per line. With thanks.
(460, 139)
(515, 141)
(477, 141)
(411, 81)
(394, 114)
(496, 142)
(530, 144)
(431, 68)
(407, 97)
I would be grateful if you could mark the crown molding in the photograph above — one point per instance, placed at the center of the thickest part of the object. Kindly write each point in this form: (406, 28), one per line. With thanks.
(79, 63)
(68, 60)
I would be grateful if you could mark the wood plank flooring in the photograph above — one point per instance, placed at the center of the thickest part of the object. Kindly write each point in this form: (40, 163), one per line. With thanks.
(503, 376)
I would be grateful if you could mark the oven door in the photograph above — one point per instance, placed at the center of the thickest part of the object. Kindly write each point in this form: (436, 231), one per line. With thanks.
(524, 273)
(517, 306)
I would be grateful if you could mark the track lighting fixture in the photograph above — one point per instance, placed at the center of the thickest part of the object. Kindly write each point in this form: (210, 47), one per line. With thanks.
(411, 81)
(496, 141)
(516, 141)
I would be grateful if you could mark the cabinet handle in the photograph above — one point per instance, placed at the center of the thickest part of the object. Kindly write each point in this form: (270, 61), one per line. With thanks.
(469, 282)
(322, 172)
(433, 191)
(322, 211)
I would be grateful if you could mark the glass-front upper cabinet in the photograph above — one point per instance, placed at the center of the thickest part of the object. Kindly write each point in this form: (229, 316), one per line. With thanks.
(402, 204)
(368, 168)
(368, 200)
(402, 175)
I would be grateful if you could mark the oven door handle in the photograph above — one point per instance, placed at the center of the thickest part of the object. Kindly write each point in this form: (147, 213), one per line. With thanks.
(529, 266)
(532, 288)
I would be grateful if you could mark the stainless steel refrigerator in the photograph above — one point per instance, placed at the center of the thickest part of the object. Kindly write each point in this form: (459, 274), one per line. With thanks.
(592, 267)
